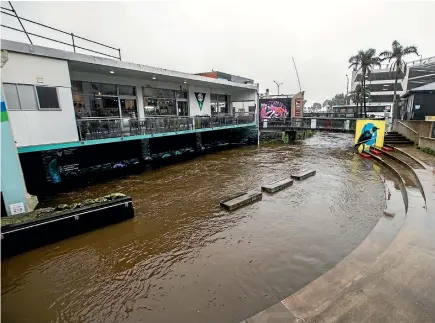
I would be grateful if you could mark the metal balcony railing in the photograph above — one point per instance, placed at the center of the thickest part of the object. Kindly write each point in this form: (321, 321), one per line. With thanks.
(101, 128)
(344, 124)
(12, 13)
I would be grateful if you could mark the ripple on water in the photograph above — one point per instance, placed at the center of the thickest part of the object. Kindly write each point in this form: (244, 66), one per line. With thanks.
(183, 258)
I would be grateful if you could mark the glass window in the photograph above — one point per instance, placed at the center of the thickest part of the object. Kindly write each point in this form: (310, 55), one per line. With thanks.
(11, 95)
(27, 97)
(76, 87)
(127, 90)
(182, 95)
(219, 104)
(104, 107)
(166, 107)
(93, 88)
(159, 106)
(47, 97)
(158, 93)
(108, 89)
(128, 108)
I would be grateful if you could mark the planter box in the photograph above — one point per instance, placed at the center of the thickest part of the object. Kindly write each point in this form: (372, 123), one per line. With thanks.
(20, 237)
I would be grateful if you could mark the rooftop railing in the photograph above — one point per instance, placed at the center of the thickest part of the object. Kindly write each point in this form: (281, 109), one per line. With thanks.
(112, 52)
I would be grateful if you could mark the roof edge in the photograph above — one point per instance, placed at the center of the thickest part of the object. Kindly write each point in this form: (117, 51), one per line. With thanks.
(23, 48)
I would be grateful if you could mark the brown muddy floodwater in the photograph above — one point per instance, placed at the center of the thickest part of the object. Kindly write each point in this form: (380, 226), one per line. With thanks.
(184, 259)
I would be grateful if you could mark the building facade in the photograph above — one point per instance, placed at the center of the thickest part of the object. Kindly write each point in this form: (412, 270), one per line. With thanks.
(381, 82)
(72, 115)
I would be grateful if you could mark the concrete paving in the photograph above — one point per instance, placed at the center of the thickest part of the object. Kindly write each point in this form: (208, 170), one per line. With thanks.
(389, 277)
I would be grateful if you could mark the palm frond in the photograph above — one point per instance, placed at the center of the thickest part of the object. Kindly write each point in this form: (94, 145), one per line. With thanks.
(386, 55)
(410, 50)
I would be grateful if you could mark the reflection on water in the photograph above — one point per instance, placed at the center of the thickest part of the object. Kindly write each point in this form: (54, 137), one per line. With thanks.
(183, 259)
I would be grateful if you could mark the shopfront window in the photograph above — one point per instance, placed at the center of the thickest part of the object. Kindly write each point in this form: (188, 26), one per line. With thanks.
(99, 100)
(128, 108)
(219, 104)
(159, 102)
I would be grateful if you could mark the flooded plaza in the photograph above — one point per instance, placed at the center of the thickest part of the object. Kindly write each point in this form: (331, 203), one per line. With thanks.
(185, 259)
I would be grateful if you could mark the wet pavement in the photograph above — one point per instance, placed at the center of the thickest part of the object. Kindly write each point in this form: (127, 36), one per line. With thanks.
(185, 259)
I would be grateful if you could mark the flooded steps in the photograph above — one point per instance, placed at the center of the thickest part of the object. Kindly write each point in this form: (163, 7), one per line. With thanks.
(303, 174)
(278, 185)
(241, 200)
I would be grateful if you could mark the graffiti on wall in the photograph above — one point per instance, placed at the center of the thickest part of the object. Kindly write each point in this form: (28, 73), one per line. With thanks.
(274, 109)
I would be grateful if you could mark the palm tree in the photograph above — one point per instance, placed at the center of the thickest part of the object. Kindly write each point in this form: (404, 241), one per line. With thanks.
(396, 53)
(364, 61)
(355, 96)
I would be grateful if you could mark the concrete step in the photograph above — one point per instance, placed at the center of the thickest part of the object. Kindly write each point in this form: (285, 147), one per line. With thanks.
(398, 142)
(303, 174)
(396, 138)
(241, 200)
(278, 185)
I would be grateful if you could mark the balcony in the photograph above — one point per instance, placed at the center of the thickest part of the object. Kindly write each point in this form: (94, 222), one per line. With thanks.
(106, 128)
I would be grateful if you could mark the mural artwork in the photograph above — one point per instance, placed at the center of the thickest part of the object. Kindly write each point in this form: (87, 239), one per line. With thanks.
(274, 109)
(369, 133)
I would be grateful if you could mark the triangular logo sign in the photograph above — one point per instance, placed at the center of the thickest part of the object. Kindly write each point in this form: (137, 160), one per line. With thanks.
(200, 97)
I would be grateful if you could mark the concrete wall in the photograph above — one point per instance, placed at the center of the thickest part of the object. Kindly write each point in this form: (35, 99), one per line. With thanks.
(423, 128)
(41, 127)
(425, 142)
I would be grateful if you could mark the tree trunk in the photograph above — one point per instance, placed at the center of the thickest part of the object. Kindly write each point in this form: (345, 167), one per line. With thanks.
(364, 96)
(396, 112)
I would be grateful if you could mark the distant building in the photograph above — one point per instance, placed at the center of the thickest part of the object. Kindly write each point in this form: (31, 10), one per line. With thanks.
(419, 102)
(381, 81)
(226, 76)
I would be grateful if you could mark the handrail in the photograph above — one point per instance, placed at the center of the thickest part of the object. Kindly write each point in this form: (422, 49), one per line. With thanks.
(409, 128)
(73, 36)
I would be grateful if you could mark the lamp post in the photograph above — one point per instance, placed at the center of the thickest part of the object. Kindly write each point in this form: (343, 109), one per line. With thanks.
(277, 85)
(347, 89)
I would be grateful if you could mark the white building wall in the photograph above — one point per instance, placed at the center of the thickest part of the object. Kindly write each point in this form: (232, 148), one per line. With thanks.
(41, 127)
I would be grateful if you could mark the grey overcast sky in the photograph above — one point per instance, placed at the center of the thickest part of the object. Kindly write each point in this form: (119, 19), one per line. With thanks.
(256, 39)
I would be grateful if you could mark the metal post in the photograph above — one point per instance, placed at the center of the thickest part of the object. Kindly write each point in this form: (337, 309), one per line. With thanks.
(278, 85)
(19, 20)
(73, 44)
(119, 51)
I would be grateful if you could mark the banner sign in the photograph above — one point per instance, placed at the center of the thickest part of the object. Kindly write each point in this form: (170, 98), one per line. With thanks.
(200, 97)
(298, 104)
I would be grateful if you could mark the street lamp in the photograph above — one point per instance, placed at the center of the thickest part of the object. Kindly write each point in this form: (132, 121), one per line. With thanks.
(277, 85)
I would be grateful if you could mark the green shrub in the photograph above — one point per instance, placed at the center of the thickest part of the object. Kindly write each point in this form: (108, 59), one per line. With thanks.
(428, 150)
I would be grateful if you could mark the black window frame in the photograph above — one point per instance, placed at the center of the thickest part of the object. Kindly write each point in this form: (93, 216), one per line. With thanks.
(58, 108)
